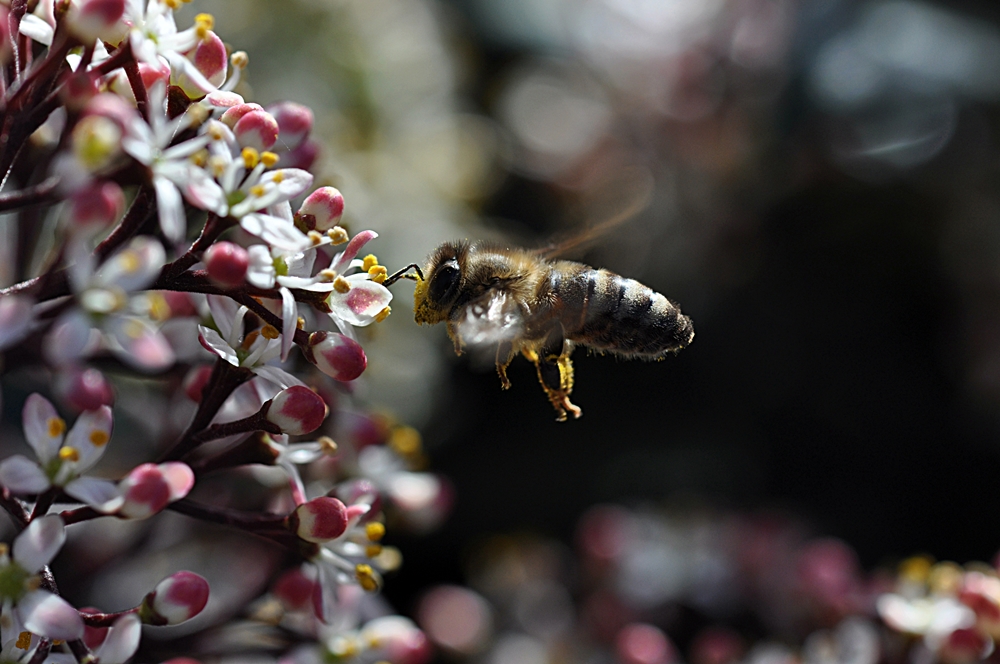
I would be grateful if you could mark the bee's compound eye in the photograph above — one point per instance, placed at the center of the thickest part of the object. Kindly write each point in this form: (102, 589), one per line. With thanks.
(444, 282)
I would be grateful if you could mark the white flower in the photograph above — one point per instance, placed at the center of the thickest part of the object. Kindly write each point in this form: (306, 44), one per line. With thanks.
(26, 607)
(106, 303)
(252, 351)
(62, 457)
(173, 172)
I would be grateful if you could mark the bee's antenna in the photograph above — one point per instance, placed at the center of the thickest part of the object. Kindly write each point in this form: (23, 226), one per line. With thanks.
(402, 274)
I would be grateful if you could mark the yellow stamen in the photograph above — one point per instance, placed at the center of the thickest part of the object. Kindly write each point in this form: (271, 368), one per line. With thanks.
(338, 235)
(269, 332)
(159, 308)
(249, 339)
(33, 583)
(250, 157)
(405, 441)
(172, 4)
(56, 426)
(200, 158)
(215, 131)
(134, 329)
(327, 445)
(382, 315)
(375, 531)
(300, 323)
(197, 113)
(99, 438)
(269, 159)
(278, 177)
(366, 577)
(203, 24)
(915, 569)
(257, 190)
(378, 273)
(373, 550)
(945, 578)
(369, 262)
(69, 454)
(327, 275)
(343, 647)
(315, 237)
(23, 640)
(239, 59)
(341, 285)
(130, 261)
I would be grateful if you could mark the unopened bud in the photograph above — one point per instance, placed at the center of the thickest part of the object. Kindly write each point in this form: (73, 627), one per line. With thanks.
(179, 597)
(336, 355)
(88, 389)
(196, 380)
(295, 121)
(294, 589)
(227, 263)
(257, 129)
(150, 487)
(97, 205)
(233, 114)
(297, 410)
(90, 20)
(326, 206)
(210, 59)
(320, 520)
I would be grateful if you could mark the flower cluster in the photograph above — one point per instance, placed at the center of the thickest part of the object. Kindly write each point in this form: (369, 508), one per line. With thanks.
(179, 253)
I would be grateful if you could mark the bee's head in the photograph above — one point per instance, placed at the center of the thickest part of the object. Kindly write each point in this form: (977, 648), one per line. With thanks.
(435, 295)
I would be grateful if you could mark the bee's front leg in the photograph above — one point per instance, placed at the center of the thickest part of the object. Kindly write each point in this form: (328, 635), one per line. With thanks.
(456, 340)
(555, 373)
(505, 353)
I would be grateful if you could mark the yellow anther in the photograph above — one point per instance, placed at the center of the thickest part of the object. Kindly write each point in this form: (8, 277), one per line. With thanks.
(257, 190)
(338, 235)
(172, 4)
(343, 647)
(134, 329)
(130, 261)
(341, 285)
(239, 59)
(366, 577)
(98, 438)
(269, 332)
(405, 441)
(200, 158)
(915, 569)
(277, 177)
(159, 308)
(373, 550)
(203, 24)
(945, 578)
(382, 315)
(269, 159)
(378, 273)
(69, 454)
(327, 275)
(327, 445)
(197, 113)
(249, 339)
(315, 237)
(300, 323)
(4, 550)
(369, 262)
(33, 583)
(217, 165)
(23, 640)
(250, 157)
(375, 531)
(216, 131)
(56, 426)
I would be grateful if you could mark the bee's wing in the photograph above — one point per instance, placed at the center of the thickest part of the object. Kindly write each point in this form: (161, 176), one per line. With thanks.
(494, 318)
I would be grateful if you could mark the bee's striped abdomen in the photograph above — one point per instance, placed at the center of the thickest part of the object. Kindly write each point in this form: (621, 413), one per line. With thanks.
(621, 315)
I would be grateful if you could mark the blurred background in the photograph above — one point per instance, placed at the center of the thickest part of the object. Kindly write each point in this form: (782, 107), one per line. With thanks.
(814, 182)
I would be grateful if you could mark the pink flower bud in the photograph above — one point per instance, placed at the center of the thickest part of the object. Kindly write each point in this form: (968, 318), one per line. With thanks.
(90, 20)
(152, 74)
(179, 597)
(97, 205)
(227, 263)
(257, 130)
(88, 389)
(297, 410)
(93, 636)
(180, 304)
(644, 644)
(399, 638)
(210, 59)
(233, 114)
(78, 90)
(325, 206)
(339, 357)
(303, 156)
(150, 487)
(320, 520)
(295, 121)
(196, 380)
(964, 646)
(294, 589)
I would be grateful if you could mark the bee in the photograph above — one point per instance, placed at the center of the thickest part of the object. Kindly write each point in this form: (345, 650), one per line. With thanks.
(492, 295)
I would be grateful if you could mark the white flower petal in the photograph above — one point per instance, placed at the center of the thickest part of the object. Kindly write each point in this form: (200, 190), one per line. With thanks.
(51, 616)
(39, 543)
(276, 232)
(289, 322)
(35, 28)
(89, 436)
(211, 339)
(361, 304)
(133, 267)
(102, 495)
(121, 641)
(171, 209)
(224, 311)
(21, 475)
(139, 344)
(43, 427)
(277, 375)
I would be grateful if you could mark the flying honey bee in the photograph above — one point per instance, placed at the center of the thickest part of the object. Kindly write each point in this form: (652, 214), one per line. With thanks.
(518, 301)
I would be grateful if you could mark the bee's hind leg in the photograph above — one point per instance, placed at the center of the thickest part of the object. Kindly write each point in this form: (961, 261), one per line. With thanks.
(555, 373)
(505, 353)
